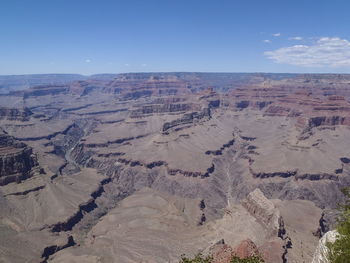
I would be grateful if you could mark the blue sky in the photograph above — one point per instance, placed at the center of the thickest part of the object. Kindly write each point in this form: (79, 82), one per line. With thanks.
(75, 36)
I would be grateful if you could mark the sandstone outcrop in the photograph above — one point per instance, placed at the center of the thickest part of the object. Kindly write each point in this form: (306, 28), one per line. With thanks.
(223, 253)
(265, 212)
(245, 249)
(17, 161)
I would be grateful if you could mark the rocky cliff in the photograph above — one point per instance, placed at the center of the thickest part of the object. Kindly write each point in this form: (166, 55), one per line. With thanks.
(188, 118)
(17, 161)
(321, 252)
(15, 114)
(265, 212)
(162, 108)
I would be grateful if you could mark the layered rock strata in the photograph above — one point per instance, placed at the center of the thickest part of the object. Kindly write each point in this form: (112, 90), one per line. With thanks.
(17, 161)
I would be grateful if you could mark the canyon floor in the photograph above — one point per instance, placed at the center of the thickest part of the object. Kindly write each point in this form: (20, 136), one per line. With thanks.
(146, 167)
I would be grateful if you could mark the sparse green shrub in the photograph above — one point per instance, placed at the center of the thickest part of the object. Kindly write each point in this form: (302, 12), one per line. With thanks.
(339, 251)
(199, 258)
(252, 259)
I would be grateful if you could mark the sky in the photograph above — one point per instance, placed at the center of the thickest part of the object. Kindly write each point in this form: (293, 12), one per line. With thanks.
(91, 37)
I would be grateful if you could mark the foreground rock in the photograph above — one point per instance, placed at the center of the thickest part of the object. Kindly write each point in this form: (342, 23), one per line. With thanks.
(224, 253)
(321, 253)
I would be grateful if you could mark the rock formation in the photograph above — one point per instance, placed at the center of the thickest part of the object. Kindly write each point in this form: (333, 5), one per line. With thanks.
(246, 249)
(321, 252)
(265, 212)
(17, 161)
(13, 114)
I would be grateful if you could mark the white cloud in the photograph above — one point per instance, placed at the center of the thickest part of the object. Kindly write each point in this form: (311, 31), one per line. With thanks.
(325, 52)
(267, 41)
(277, 34)
(127, 65)
(87, 60)
(144, 65)
(295, 38)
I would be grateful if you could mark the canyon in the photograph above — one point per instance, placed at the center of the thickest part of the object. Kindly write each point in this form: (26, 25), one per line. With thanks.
(145, 167)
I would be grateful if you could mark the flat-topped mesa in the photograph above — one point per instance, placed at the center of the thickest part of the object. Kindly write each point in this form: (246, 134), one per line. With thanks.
(177, 104)
(43, 90)
(162, 108)
(132, 87)
(310, 106)
(254, 104)
(212, 98)
(82, 88)
(17, 161)
(279, 110)
(335, 111)
(15, 114)
(258, 97)
(168, 100)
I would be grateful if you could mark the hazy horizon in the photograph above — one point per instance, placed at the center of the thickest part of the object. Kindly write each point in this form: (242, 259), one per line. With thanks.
(174, 72)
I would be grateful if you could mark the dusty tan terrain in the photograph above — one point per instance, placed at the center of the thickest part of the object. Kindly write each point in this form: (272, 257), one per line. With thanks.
(144, 168)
